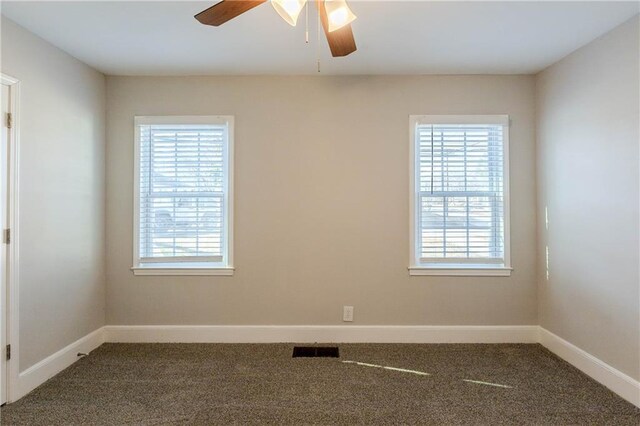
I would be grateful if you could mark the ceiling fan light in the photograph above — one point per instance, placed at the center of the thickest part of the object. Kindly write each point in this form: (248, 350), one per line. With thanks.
(338, 14)
(289, 9)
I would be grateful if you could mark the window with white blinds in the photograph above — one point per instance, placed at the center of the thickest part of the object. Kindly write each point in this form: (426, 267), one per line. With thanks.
(183, 191)
(459, 191)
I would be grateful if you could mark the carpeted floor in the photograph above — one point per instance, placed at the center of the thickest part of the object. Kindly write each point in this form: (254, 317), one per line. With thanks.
(197, 384)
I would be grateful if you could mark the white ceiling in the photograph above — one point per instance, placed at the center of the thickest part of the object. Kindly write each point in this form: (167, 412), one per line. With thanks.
(393, 37)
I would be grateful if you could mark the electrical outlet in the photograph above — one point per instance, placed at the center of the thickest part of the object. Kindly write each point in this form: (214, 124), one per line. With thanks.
(347, 313)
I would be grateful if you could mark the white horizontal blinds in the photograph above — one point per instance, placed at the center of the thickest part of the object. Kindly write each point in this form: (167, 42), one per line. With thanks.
(461, 197)
(182, 192)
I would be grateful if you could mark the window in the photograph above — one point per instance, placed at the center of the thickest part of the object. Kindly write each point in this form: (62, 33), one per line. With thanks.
(459, 202)
(183, 196)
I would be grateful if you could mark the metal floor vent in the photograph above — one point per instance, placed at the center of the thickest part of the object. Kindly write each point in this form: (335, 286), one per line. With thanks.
(315, 351)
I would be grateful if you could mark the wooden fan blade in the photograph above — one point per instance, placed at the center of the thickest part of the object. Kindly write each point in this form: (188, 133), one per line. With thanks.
(341, 42)
(226, 10)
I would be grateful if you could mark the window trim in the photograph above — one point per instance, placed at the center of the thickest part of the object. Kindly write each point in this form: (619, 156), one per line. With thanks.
(179, 268)
(417, 268)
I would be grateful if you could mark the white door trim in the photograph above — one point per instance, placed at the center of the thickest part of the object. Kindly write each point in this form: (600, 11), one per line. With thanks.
(12, 249)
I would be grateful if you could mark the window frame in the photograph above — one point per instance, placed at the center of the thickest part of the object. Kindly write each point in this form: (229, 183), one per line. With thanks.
(418, 268)
(224, 268)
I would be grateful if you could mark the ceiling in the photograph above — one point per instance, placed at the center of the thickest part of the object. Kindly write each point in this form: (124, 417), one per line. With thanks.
(393, 37)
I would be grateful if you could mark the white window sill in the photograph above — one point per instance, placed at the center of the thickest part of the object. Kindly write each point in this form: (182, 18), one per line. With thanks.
(459, 271)
(183, 271)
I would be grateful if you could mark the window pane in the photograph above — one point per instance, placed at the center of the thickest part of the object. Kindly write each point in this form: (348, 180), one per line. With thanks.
(182, 191)
(460, 182)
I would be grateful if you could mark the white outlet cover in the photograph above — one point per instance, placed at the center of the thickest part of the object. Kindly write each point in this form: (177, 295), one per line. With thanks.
(347, 313)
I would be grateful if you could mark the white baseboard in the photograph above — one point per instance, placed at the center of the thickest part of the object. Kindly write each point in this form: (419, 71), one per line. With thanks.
(39, 373)
(625, 386)
(326, 334)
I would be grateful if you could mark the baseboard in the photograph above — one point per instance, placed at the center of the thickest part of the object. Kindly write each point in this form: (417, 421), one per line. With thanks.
(620, 383)
(326, 334)
(39, 373)
(625, 386)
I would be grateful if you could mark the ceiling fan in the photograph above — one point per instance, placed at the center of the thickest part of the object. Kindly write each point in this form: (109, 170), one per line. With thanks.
(335, 15)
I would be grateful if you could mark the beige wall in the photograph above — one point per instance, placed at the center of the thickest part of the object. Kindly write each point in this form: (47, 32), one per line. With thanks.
(322, 191)
(587, 109)
(321, 202)
(62, 115)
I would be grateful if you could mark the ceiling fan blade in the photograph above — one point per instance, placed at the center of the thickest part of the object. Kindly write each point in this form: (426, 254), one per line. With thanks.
(341, 41)
(226, 10)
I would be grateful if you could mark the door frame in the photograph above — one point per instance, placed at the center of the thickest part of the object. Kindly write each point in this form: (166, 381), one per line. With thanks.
(12, 317)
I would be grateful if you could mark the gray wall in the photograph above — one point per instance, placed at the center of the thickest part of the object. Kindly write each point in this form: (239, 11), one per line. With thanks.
(62, 187)
(321, 202)
(587, 113)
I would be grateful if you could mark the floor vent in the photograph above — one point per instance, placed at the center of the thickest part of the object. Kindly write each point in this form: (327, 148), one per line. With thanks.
(315, 351)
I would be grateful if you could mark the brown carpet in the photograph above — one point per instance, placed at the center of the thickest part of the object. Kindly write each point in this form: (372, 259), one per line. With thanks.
(198, 384)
